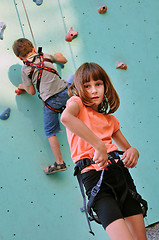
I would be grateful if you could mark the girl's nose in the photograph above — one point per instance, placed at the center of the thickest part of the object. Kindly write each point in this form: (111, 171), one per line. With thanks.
(94, 89)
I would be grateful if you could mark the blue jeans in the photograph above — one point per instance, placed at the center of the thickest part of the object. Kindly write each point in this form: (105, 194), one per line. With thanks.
(51, 118)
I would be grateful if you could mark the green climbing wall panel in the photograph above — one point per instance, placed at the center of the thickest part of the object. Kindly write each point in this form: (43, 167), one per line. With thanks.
(36, 206)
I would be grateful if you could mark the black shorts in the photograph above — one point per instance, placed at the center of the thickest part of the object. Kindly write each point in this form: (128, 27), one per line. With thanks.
(107, 207)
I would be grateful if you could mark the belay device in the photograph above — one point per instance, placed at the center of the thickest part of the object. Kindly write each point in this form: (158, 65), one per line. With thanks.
(129, 186)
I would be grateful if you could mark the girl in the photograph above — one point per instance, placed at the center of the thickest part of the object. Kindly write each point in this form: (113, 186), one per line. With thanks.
(90, 130)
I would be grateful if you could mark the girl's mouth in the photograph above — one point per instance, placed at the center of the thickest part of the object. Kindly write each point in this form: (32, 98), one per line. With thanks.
(93, 98)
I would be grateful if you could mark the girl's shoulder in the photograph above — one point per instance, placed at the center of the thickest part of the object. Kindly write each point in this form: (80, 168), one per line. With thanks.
(112, 117)
(114, 121)
(76, 99)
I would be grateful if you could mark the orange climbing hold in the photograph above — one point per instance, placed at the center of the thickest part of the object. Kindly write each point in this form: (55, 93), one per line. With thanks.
(102, 9)
(121, 65)
(70, 35)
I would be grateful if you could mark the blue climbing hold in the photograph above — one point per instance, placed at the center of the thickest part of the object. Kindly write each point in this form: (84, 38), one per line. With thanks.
(5, 114)
(38, 2)
(2, 27)
(82, 209)
(62, 65)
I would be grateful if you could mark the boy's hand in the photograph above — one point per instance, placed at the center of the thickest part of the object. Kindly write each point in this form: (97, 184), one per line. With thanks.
(58, 54)
(20, 86)
(29, 89)
(60, 58)
(131, 156)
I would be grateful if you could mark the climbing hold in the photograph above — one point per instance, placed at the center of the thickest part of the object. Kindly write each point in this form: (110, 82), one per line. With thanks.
(61, 65)
(38, 2)
(5, 114)
(70, 35)
(2, 27)
(19, 91)
(82, 209)
(121, 65)
(102, 9)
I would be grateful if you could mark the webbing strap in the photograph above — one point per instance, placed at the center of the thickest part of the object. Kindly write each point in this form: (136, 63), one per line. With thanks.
(40, 66)
(84, 201)
(77, 172)
(138, 197)
(60, 110)
(94, 193)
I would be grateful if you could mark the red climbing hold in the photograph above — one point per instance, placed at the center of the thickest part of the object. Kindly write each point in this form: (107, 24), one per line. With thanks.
(19, 91)
(102, 9)
(70, 35)
(121, 65)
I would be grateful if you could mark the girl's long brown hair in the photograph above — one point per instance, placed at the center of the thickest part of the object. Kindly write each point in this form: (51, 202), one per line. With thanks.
(83, 74)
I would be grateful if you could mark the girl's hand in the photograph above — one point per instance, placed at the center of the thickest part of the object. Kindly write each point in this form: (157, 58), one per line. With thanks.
(131, 156)
(101, 156)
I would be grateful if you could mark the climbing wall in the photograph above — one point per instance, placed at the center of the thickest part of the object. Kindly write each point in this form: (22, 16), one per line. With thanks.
(32, 204)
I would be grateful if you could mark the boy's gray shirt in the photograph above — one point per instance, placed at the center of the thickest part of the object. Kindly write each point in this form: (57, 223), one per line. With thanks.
(50, 83)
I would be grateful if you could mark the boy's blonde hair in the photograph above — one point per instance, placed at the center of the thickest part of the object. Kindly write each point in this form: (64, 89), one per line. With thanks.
(22, 47)
(83, 74)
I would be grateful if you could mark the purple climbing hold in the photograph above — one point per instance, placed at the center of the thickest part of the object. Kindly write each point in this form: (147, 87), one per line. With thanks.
(38, 2)
(5, 114)
(2, 27)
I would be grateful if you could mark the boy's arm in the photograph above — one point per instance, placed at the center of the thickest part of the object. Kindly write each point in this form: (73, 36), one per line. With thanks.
(75, 125)
(29, 89)
(60, 58)
(131, 154)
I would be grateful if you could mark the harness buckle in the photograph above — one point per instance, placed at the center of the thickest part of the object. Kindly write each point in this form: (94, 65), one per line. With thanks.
(40, 66)
(95, 190)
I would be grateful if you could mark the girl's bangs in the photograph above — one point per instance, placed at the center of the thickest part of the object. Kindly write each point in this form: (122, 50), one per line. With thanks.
(96, 74)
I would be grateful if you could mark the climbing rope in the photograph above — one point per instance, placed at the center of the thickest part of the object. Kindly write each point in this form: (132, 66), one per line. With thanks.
(29, 25)
(19, 18)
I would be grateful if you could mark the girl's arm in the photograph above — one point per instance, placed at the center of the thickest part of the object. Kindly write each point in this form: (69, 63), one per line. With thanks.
(131, 154)
(75, 125)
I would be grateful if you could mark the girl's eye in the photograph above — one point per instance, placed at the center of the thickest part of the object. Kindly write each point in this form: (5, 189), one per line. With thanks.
(99, 83)
(86, 86)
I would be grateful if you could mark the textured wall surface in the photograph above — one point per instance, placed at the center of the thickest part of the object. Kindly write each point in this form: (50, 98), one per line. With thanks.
(36, 206)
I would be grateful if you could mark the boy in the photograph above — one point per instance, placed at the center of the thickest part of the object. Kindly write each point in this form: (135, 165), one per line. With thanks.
(39, 71)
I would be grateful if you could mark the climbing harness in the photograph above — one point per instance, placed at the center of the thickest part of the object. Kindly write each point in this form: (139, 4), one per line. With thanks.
(40, 66)
(83, 163)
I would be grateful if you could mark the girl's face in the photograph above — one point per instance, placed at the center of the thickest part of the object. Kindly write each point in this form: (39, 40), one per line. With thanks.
(95, 92)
